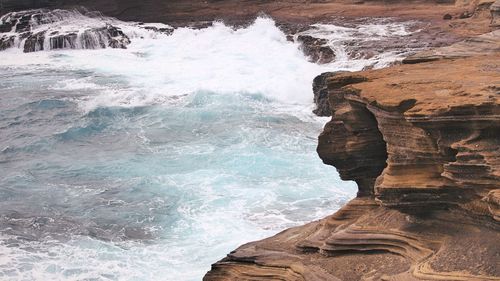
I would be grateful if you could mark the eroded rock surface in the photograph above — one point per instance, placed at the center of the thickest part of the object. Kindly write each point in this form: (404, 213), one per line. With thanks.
(488, 43)
(422, 141)
(495, 14)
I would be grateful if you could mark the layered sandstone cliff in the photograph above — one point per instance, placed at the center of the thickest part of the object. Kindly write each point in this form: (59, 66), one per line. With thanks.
(422, 141)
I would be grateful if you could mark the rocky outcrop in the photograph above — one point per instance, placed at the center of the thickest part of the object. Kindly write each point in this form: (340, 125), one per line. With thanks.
(320, 91)
(485, 44)
(422, 142)
(37, 30)
(441, 133)
(316, 48)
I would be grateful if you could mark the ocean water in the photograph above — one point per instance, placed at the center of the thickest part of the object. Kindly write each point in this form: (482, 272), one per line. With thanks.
(153, 162)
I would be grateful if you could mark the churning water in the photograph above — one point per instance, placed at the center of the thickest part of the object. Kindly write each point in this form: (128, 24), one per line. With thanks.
(153, 162)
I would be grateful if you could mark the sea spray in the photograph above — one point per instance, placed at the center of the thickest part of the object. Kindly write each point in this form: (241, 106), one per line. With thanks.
(152, 162)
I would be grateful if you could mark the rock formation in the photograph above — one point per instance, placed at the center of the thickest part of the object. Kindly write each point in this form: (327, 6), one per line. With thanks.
(316, 48)
(41, 29)
(422, 141)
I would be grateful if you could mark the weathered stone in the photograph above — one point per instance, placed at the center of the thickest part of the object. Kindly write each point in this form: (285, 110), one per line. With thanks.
(488, 43)
(422, 143)
(320, 91)
(495, 14)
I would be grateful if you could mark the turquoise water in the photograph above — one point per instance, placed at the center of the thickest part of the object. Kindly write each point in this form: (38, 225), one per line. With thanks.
(154, 162)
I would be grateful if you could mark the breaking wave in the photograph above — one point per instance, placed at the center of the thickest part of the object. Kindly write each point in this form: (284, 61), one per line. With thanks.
(154, 161)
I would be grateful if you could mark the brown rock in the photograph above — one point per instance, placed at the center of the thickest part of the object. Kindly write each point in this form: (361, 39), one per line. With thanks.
(320, 91)
(485, 44)
(422, 143)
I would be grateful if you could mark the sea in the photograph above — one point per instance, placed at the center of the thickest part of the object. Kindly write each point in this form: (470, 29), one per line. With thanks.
(155, 161)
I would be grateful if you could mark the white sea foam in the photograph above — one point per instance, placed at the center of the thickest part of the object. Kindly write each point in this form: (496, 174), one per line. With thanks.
(82, 31)
(227, 158)
(255, 60)
(337, 37)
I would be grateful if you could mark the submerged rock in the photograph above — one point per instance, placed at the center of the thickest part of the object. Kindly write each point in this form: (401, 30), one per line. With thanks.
(42, 29)
(164, 30)
(6, 41)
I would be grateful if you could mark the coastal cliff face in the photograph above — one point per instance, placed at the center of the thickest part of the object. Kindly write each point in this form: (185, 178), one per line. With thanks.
(422, 141)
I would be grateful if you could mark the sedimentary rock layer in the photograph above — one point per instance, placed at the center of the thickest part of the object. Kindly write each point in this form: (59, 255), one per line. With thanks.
(423, 143)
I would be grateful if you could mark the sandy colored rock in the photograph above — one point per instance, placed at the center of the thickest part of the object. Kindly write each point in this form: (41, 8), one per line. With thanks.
(422, 142)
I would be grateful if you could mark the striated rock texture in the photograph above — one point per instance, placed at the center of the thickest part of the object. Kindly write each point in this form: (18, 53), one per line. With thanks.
(495, 14)
(488, 43)
(422, 141)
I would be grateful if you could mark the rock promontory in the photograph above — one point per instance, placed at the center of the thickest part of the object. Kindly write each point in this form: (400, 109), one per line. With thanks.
(422, 141)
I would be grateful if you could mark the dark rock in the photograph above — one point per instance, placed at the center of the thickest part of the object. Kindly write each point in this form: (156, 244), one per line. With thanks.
(6, 27)
(447, 17)
(66, 41)
(34, 42)
(116, 37)
(316, 49)
(6, 42)
(320, 90)
(164, 30)
(35, 26)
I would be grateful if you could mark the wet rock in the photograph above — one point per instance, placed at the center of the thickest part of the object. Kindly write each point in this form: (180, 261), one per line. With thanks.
(316, 49)
(164, 30)
(37, 30)
(116, 37)
(34, 42)
(6, 27)
(66, 41)
(6, 42)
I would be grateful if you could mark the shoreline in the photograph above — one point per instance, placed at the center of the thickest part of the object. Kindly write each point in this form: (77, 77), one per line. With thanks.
(413, 137)
(420, 139)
